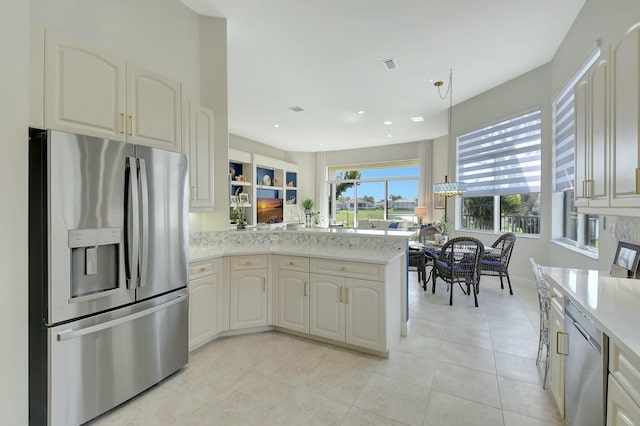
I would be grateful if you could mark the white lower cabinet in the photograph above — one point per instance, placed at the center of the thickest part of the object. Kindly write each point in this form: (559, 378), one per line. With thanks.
(556, 360)
(621, 409)
(348, 310)
(203, 301)
(248, 292)
(293, 300)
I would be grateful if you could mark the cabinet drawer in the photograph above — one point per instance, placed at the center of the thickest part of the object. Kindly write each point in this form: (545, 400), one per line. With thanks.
(293, 263)
(625, 370)
(365, 271)
(241, 263)
(203, 268)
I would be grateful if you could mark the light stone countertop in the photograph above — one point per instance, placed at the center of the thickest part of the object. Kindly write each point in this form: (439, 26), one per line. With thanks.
(612, 303)
(332, 253)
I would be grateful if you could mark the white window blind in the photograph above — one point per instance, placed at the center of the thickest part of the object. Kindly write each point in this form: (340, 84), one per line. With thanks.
(503, 158)
(564, 132)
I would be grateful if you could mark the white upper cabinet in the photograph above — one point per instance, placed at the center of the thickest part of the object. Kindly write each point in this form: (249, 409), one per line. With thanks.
(592, 137)
(91, 92)
(84, 89)
(199, 147)
(153, 109)
(625, 188)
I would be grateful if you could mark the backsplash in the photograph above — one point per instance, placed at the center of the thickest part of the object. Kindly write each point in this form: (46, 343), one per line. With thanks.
(222, 240)
(628, 229)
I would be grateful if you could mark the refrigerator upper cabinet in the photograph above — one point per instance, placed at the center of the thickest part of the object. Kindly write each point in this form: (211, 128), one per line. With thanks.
(84, 200)
(164, 239)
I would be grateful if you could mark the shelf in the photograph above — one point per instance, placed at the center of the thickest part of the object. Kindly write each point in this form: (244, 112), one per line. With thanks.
(233, 205)
(272, 188)
(240, 183)
(291, 188)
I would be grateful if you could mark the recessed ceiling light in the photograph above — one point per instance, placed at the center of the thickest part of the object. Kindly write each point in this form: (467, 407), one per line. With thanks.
(296, 109)
(388, 123)
(361, 112)
(417, 119)
(388, 136)
(276, 125)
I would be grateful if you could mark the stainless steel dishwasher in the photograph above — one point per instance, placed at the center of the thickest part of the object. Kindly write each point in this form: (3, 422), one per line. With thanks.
(585, 369)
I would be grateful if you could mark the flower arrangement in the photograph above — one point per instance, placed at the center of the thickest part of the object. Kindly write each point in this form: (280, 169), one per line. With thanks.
(443, 226)
(237, 212)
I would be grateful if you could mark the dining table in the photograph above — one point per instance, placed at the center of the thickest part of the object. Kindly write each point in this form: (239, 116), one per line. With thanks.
(431, 249)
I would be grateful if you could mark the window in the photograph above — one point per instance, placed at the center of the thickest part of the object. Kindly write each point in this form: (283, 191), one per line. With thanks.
(500, 164)
(373, 192)
(577, 229)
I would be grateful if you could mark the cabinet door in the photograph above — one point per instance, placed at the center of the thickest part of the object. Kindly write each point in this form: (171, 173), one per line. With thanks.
(203, 304)
(200, 151)
(365, 314)
(598, 185)
(248, 307)
(556, 361)
(153, 109)
(326, 307)
(621, 409)
(626, 93)
(84, 89)
(293, 297)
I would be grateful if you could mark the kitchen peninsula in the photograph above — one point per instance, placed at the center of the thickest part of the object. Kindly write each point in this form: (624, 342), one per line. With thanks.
(612, 304)
(342, 286)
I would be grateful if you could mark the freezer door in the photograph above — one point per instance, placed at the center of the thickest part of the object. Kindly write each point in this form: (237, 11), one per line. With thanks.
(81, 224)
(164, 209)
(100, 362)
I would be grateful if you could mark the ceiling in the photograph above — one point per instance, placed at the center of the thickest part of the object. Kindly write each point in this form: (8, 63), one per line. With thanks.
(327, 58)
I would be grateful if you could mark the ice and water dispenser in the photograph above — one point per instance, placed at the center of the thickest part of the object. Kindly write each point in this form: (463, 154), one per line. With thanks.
(95, 255)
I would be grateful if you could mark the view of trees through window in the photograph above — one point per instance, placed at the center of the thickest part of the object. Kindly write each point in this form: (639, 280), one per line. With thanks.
(373, 193)
(519, 213)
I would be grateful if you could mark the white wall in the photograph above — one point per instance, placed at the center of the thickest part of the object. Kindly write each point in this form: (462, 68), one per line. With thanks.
(14, 36)
(213, 85)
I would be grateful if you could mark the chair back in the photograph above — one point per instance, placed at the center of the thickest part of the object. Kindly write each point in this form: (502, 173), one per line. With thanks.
(543, 291)
(505, 243)
(427, 233)
(459, 259)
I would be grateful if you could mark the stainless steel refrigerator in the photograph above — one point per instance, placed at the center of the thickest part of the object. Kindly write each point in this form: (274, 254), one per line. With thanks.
(108, 256)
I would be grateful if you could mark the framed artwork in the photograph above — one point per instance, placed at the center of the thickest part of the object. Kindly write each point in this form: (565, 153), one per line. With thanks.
(627, 257)
(439, 201)
(243, 198)
(234, 200)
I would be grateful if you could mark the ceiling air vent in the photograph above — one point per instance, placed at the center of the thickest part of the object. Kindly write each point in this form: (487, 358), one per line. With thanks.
(296, 109)
(390, 64)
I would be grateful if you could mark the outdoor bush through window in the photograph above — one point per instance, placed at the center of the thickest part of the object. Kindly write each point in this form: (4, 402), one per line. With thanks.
(500, 164)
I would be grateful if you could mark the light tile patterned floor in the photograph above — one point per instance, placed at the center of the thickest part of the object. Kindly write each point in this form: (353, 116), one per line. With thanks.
(460, 365)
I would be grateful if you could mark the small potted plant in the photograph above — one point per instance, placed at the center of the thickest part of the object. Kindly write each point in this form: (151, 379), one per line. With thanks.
(308, 205)
(443, 228)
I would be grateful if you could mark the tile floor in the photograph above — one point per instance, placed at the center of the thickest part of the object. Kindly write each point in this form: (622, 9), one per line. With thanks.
(460, 365)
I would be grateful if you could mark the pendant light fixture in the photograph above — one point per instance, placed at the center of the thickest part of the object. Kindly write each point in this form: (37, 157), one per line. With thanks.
(446, 188)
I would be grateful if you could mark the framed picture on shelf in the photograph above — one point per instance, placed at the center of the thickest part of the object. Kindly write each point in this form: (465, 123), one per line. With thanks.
(243, 198)
(438, 201)
(627, 257)
(234, 200)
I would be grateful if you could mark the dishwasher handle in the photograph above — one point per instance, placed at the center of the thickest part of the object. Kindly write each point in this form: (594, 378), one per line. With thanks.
(586, 335)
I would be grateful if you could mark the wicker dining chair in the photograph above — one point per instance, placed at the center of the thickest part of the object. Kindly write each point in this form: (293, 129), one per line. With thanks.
(498, 264)
(459, 263)
(417, 259)
(544, 300)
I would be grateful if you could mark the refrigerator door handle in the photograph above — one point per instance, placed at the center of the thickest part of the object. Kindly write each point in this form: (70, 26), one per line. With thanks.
(72, 334)
(132, 219)
(144, 210)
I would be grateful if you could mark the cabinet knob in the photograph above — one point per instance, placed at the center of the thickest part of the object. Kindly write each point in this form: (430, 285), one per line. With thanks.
(122, 123)
(343, 268)
(202, 269)
(248, 262)
(290, 263)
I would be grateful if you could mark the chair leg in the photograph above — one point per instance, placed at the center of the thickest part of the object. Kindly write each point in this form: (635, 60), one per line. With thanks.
(451, 293)
(509, 281)
(546, 368)
(475, 295)
(501, 283)
(433, 281)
